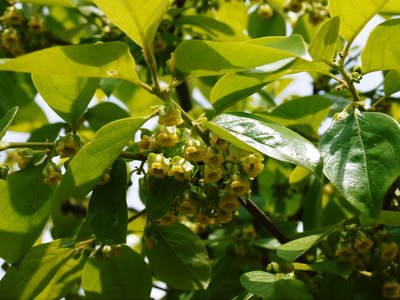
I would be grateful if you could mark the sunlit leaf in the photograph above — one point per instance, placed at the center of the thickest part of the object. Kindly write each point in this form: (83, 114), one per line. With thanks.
(360, 156)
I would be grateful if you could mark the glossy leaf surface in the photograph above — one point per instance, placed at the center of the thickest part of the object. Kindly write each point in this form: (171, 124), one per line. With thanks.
(251, 132)
(360, 156)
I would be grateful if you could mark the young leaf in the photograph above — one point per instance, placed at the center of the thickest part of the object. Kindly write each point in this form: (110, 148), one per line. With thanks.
(124, 276)
(323, 45)
(254, 133)
(275, 286)
(294, 249)
(214, 58)
(104, 113)
(96, 157)
(18, 90)
(392, 83)
(108, 211)
(139, 19)
(48, 272)
(179, 258)
(6, 120)
(360, 156)
(307, 111)
(24, 209)
(354, 17)
(381, 50)
(108, 60)
(68, 96)
(160, 194)
(258, 26)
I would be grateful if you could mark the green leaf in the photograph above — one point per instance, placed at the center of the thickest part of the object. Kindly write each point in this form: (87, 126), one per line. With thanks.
(48, 272)
(104, 113)
(6, 120)
(124, 276)
(68, 96)
(138, 100)
(392, 83)
(24, 209)
(214, 58)
(254, 133)
(275, 286)
(381, 50)
(207, 25)
(258, 26)
(89, 165)
(387, 217)
(18, 90)
(323, 45)
(360, 156)
(354, 17)
(159, 195)
(179, 258)
(307, 111)
(46, 133)
(108, 211)
(139, 19)
(108, 60)
(391, 7)
(290, 251)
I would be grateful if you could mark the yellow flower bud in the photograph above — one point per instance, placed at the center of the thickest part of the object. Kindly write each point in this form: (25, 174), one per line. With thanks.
(194, 150)
(265, 11)
(144, 143)
(168, 136)
(157, 165)
(363, 244)
(238, 185)
(212, 174)
(167, 219)
(170, 115)
(253, 165)
(25, 158)
(223, 217)
(389, 251)
(52, 174)
(229, 203)
(204, 219)
(213, 158)
(346, 254)
(391, 290)
(186, 207)
(68, 145)
(218, 143)
(181, 169)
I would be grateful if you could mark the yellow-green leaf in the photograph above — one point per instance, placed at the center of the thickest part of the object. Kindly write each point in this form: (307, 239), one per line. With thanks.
(108, 60)
(96, 157)
(354, 16)
(382, 49)
(324, 43)
(139, 19)
(67, 3)
(68, 96)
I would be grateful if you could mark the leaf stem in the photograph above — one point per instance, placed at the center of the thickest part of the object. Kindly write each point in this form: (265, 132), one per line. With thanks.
(138, 215)
(10, 145)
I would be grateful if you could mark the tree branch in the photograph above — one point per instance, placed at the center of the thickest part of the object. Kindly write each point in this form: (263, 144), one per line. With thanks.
(262, 217)
(138, 215)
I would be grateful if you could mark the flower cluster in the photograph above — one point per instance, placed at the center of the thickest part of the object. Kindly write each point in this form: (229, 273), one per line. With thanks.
(372, 249)
(216, 176)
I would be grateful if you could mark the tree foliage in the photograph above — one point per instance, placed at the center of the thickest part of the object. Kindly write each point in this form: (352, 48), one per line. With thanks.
(250, 189)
